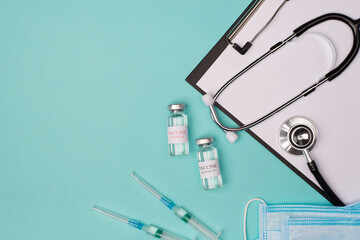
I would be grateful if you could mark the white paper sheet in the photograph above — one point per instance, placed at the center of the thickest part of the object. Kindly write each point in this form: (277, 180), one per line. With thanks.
(334, 106)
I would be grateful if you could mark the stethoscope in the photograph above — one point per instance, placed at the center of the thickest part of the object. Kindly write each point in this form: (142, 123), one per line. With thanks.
(298, 136)
(353, 25)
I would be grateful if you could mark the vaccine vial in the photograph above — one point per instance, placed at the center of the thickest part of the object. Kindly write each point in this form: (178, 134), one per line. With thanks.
(178, 140)
(209, 167)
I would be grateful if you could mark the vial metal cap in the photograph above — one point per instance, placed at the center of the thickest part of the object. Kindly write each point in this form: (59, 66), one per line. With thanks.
(204, 141)
(176, 107)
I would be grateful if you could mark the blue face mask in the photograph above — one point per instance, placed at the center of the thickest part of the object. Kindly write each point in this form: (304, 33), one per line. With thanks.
(320, 229)
(272, 218)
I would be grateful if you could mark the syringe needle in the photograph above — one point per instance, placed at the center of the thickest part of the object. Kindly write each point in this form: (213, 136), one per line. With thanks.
(132, 222)
(179, 211)
(170, 204)
(146, 185)
(149, 229)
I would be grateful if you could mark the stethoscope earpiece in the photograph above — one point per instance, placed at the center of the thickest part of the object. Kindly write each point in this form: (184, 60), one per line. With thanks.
(231, 136)
(207, 99)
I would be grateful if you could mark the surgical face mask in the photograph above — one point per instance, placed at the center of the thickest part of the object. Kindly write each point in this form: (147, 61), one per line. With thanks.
(272, 218)
(320, 229)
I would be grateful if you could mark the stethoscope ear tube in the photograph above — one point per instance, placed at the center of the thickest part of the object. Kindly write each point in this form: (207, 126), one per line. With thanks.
(331, 195)
(354, 26)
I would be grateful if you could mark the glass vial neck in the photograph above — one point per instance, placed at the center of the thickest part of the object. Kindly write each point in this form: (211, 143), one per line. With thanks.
(176, 111)
(202, 146)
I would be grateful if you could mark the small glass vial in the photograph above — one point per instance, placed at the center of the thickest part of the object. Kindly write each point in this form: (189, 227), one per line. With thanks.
(209, 167)
(178, 140)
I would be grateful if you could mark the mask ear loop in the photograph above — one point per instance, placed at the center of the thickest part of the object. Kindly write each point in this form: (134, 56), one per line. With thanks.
(245, 213)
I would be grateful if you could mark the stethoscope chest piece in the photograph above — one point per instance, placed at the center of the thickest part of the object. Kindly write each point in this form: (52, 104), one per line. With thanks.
(298, 134)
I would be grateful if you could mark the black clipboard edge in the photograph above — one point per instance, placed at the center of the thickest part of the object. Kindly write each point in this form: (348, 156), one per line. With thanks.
(216, 51)
(206, 63)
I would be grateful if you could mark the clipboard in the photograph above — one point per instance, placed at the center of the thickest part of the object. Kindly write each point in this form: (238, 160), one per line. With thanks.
(217, 52)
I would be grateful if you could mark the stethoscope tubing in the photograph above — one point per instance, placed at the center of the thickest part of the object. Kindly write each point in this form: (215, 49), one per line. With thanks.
(299, 135)
(354, 26)
(332, 197)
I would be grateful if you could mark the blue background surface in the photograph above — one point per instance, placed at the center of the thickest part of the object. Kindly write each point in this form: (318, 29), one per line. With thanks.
(84, 89)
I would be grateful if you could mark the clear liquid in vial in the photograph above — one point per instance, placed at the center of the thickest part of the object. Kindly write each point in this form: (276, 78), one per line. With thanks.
(209, 167)
(178, 133)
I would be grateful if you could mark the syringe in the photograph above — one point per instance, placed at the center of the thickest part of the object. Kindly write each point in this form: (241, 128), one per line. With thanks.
(179, 211)
(149, 229)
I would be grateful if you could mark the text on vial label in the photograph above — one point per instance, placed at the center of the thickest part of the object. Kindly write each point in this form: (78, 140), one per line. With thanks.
(178, 134)
(209, 169)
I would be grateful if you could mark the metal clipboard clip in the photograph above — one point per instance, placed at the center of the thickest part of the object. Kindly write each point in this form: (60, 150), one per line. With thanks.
(233, 33)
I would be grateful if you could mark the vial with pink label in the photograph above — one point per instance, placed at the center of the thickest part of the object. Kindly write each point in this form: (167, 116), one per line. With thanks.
(178, 131)
(209, 167)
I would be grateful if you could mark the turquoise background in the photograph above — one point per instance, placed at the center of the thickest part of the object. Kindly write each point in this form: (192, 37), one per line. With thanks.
(84, 89)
